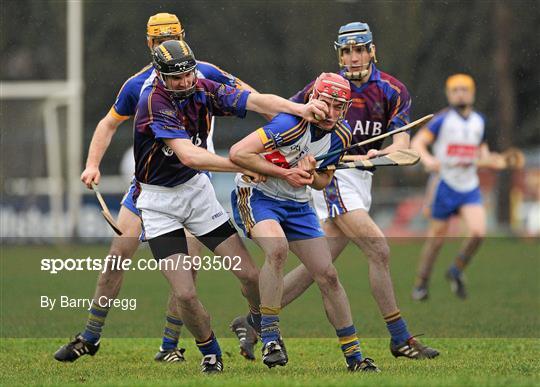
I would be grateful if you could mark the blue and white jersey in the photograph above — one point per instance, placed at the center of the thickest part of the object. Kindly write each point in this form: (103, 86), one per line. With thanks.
(456, 145)
(287, 139)
(128, 96)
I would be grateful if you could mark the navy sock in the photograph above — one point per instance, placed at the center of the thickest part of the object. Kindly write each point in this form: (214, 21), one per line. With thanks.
(455, 270)
(209, 346)
(350, 346)
(397, 327)
(269, 328)
(254, 319)
(171, 333)
(95, 322)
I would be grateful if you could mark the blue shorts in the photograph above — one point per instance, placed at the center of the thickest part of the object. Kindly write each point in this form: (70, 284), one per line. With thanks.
(447, 201)
(127, 200)
(298, 220)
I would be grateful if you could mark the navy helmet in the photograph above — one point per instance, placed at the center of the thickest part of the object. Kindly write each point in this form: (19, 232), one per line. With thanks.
(350, 35)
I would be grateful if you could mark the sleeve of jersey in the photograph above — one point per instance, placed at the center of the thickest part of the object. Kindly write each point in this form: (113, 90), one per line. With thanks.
(341, 139)
(434, 126)
(216, 74)
(303, 95)
(126, 102)
(229, 101)
(400, 108)
(284, 129)
(164, 122)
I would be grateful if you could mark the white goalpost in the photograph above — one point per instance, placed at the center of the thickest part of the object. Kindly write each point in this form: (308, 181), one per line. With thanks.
(57, 94)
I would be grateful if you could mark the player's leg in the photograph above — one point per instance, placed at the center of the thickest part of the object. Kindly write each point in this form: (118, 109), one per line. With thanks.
(259, 216)
(107, 287)
(168, 350)
(444, 204)
(165, 212)
(224, 241)
(269, 235)
(361, 229)
(437, 231)
(170, 250)
(474, 216)
(298, 280)
(315, 255)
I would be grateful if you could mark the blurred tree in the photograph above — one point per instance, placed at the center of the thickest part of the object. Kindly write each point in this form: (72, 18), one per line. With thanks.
(503, 26)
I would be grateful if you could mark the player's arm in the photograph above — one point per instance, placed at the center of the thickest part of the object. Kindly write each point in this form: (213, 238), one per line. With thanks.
(246, 153)
(423, 139)
(199, 158)
(400, 105)
(272, 104)
(103, 134)
(488, 159)
(399, 141)
(244, 86)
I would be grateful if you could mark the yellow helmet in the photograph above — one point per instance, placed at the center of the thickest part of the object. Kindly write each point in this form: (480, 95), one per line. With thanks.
(460, 80)
(164, 25)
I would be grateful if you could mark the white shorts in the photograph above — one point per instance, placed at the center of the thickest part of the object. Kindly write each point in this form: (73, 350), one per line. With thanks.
(192, 205)
(349, 190)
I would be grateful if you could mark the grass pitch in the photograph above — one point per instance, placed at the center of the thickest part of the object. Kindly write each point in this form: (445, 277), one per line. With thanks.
(490, 339)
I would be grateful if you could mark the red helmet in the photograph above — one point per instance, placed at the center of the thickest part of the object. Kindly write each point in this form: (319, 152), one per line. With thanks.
(333, 86)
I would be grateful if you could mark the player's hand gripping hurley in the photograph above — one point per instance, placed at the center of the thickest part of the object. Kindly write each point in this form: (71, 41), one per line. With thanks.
(418, 123)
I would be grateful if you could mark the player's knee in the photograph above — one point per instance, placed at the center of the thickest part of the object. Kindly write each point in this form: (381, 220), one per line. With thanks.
(478, 233)
(277, 253)
(328, 278)
(380, 253)
(110, 278)
(186, 296)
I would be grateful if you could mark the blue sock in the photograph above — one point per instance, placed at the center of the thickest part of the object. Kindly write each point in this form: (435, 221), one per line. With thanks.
(269, 328)
(171, 333)
(397, 327)
(95, 322)
(209, 346)
(350, 346)
(455, 271)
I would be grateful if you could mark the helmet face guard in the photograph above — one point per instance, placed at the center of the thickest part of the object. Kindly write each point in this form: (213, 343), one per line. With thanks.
(173, 58)
(179, 94)
(353, 35)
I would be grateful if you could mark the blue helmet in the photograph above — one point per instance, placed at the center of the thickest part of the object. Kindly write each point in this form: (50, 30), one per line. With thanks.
(356, 33)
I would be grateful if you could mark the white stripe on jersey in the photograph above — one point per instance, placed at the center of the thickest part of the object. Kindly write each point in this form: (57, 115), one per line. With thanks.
(457, 149)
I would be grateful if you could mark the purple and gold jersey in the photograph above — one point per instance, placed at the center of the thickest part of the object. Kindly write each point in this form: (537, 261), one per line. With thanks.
(128, 96)
(378, 106)
(287, 139)
(159, 117)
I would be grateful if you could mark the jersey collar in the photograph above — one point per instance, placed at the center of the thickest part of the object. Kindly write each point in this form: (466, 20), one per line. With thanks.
(374, 77)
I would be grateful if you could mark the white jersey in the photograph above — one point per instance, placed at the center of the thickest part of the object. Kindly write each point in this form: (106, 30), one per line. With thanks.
(287, 139)
(456, 146)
